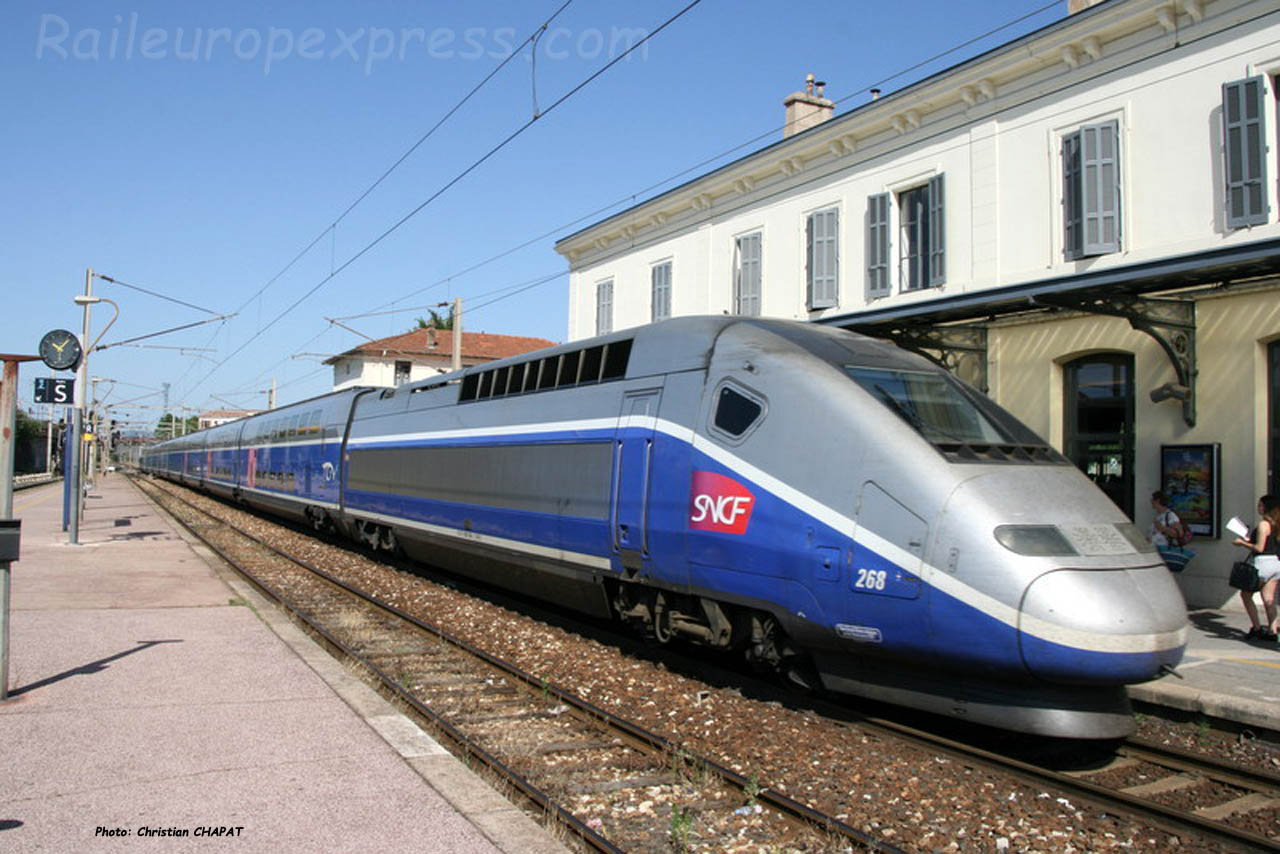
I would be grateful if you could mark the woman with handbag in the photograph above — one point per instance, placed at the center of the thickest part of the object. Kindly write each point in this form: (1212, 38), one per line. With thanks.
(1264, 554)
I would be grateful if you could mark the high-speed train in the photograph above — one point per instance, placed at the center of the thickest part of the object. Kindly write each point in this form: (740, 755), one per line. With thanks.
(828, 504)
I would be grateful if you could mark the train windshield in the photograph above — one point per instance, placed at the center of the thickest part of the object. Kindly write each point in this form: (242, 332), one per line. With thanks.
(937, 407)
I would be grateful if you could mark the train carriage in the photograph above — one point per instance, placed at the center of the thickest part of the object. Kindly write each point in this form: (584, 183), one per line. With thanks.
(827, 504)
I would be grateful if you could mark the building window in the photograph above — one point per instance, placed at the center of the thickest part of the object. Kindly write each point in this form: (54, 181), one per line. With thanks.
(1243, 149)
(822, 258)
(1091, 191)
(1099, 423)
(660, 300)
(878, 246)
(747, 275)
(604, 307)
(402, 373)
(920, 218)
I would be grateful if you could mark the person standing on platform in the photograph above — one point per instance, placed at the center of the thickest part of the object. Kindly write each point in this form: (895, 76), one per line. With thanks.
(1264, 552)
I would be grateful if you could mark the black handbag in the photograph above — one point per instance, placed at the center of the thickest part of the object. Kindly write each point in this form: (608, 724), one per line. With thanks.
(1244, 576)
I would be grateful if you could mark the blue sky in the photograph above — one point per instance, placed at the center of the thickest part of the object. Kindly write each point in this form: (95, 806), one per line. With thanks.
(195, 150)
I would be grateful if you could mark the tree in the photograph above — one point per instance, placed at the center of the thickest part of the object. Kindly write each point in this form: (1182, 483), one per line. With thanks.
(436, 321)
(170, 425)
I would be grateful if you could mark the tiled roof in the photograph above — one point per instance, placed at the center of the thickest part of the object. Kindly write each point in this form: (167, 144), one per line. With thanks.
(229, 413)
(476, 346)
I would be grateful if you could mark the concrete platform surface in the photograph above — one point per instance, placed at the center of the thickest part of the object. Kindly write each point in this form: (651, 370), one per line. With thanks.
(155, 705)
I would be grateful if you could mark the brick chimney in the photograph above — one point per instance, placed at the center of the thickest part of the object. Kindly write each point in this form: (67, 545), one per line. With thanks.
(808, 108)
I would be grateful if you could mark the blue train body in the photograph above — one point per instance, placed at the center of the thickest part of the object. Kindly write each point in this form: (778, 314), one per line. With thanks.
(826, 504)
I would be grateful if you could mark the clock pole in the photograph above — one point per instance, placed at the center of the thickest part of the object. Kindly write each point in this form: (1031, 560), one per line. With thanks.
(72, 467)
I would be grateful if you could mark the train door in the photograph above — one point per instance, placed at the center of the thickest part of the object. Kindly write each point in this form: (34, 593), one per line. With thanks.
(883, 582)
(633, 460)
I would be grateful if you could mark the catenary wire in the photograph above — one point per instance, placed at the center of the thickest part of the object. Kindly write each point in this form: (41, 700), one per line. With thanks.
(448, 185)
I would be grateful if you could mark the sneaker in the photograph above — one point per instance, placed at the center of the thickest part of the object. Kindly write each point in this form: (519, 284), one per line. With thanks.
(1267, 636)
(1254, 633)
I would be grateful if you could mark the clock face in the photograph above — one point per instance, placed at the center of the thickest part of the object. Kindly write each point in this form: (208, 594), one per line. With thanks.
(60, 350)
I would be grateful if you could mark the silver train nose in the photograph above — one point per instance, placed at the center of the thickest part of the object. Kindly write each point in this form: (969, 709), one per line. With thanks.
(1102, 626)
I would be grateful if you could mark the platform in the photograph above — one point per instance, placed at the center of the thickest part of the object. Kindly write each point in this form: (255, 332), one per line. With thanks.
(152, 698)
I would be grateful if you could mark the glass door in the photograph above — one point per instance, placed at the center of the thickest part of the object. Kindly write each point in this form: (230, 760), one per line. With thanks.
(1099, 423)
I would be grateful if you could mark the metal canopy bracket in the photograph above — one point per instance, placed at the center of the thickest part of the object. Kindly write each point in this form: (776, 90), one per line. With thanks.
(1171, 322)
(946, 346)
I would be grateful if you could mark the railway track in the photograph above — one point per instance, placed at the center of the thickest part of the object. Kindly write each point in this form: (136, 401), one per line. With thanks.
(579, 762)
(612, 783)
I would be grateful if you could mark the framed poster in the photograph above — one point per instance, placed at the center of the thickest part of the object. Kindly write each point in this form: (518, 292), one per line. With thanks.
(1189, 475)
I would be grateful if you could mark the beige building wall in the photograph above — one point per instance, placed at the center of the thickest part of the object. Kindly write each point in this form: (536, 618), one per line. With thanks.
(1233, 330)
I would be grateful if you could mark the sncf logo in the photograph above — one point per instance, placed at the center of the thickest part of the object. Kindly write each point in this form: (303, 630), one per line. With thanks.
(719, 503)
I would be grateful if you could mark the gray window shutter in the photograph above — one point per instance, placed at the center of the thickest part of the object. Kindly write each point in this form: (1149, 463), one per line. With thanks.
(604, 307)
(822, 258)
(661, 299)
(878, 245)
(1100, 188)
(937, 232)
(747, 276)
(1072, 218)
(1244, 148)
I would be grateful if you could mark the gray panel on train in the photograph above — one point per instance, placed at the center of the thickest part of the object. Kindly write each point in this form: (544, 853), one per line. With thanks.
(563, 480)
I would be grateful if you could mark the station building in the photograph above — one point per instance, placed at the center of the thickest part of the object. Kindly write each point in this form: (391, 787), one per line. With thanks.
(1083, 222)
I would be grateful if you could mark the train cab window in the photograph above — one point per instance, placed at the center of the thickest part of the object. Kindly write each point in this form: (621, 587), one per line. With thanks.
(293, 426)
(929, 402)
(736, 412)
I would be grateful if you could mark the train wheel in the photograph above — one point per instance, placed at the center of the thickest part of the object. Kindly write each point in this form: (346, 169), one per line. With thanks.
(771, 651)
(661, 619)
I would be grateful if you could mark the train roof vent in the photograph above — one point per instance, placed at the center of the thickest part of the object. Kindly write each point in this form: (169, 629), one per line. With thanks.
(967, 452)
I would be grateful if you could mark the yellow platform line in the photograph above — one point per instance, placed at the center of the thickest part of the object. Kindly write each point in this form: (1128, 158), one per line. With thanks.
(1275, 664)
(34, 501)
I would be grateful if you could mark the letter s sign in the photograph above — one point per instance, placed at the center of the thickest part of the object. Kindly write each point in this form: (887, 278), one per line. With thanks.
(719, 503)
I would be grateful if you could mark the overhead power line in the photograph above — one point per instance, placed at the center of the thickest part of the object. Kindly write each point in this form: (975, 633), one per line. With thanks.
(531, 38)
(448, 185)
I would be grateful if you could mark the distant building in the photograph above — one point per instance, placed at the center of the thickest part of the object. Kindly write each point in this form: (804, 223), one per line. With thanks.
(222, 416)
(421, 353)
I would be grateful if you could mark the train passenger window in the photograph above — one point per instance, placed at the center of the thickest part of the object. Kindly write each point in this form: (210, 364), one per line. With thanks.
(592, 361)
(293, 426)
(616, 356)
(736, 412)
(470, 385)
(315, 420)
(569, 369)
(550, 367)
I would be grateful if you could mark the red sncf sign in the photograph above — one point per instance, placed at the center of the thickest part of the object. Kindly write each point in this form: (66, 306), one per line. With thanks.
(719, 503)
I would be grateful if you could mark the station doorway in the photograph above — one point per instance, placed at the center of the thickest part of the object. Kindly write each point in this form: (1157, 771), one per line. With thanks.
(1099, 430)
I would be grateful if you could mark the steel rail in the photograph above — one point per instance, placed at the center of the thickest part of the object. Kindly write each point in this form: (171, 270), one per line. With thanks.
(779, 801)
(463, 743)
(1112, 800)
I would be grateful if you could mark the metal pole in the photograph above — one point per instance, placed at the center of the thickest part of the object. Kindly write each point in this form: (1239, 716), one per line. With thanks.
(8, 440)
(8, 435)
(48, 436)
(82, 380)
(457, 333)
(71, 472)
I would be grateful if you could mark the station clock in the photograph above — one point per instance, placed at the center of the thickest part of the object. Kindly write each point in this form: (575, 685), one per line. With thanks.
(60, 350)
